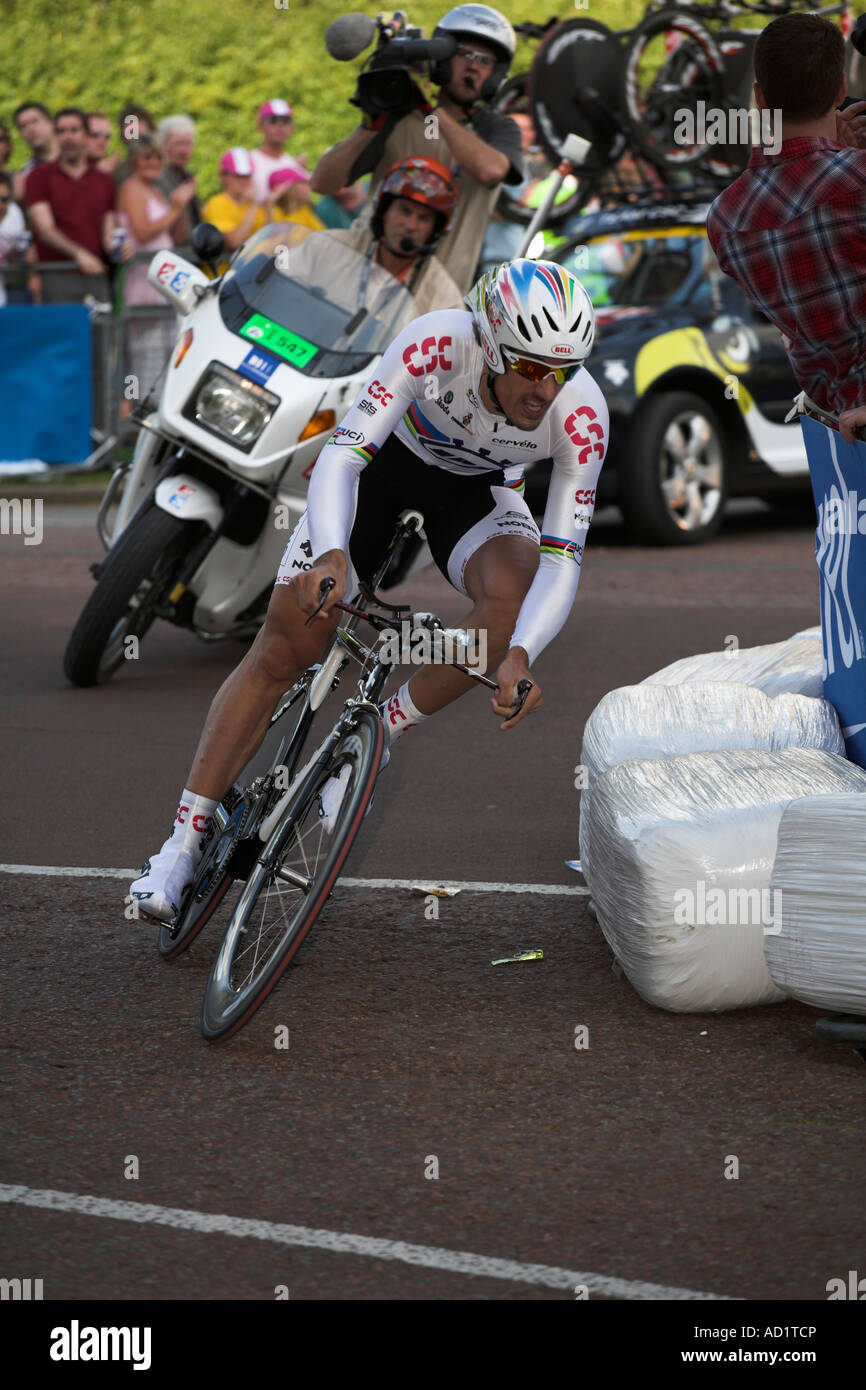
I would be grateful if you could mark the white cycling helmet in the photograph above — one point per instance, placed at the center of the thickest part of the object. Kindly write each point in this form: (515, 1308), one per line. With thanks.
(535, 308)
(477, 22)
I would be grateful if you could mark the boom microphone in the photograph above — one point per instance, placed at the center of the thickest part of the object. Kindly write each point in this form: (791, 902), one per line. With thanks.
(349, 35)
(417, 50)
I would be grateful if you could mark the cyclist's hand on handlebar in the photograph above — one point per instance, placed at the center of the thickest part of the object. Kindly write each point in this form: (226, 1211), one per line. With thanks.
(514, 669)
(849, 421)
(307, 591)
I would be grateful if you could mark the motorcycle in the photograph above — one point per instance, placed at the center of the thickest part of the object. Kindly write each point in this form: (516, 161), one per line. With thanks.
(268, 358)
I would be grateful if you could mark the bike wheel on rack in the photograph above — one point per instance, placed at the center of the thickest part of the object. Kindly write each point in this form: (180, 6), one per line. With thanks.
(518, 204)
(291, 881)
(672, 63)
(219, 867)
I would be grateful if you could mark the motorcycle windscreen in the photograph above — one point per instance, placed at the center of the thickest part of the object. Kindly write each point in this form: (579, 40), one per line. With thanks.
(313, 301)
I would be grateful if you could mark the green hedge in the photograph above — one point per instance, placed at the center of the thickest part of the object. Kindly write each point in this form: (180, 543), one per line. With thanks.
(216, 60)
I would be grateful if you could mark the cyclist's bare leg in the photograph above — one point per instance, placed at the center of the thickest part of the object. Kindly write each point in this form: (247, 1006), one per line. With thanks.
(241, 709)
(497, 579)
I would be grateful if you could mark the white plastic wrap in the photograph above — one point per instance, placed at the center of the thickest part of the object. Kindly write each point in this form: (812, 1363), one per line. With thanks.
(656, 721)
(683, 850)
(795, 666)
(819, 955)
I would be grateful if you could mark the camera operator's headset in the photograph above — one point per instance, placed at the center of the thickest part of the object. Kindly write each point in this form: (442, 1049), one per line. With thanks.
(476, 22)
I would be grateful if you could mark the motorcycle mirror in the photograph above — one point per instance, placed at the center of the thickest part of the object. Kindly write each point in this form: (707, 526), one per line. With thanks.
(208, 243)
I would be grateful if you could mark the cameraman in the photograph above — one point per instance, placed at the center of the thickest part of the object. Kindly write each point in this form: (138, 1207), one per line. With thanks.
(479, 146)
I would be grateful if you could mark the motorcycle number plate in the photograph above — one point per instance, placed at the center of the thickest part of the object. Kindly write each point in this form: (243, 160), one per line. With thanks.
(282, 341)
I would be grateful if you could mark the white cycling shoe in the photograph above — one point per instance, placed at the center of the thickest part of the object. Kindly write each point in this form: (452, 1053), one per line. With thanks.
(163, 882)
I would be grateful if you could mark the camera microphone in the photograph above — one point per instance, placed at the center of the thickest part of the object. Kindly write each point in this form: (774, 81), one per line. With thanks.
(349, 35)
(419, 50)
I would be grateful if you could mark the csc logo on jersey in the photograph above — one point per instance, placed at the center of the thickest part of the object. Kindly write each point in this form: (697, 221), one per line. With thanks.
(379, 393)
(432, 356)
(585, 497)
(583, 429)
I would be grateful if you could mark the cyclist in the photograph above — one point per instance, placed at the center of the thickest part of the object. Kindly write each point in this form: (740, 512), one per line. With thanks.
(457, 405)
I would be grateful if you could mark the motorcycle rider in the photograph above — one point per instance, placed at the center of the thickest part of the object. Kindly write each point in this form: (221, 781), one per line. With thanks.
(482, 147)
(511, 388)
(412, 213)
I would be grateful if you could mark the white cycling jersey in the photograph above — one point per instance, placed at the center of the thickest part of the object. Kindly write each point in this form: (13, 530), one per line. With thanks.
(426, 391)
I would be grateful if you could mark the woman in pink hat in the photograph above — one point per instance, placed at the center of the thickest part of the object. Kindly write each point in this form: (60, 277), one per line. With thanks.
(290, 199)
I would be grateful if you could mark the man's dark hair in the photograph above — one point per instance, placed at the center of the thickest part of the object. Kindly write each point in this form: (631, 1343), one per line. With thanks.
(30, 106)
(71, 111)
(799, 66)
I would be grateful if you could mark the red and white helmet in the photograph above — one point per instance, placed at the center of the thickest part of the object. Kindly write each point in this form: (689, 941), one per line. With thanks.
(535, 308)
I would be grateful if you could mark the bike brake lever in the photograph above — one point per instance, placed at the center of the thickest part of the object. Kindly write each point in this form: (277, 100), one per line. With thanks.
(324, 589)
(523, 689)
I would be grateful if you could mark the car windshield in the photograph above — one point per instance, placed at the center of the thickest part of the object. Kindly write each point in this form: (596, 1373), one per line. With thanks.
(638, 272)
(323, 307)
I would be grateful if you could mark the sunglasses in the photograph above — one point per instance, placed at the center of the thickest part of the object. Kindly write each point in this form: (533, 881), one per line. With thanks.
(484, 60)
(533, 370)
(277, 120)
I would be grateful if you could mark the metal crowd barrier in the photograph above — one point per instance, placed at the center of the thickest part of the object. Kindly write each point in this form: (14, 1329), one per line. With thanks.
(116, 334)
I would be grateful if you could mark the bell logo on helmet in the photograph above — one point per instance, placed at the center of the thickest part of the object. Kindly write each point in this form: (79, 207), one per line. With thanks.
(561, 349)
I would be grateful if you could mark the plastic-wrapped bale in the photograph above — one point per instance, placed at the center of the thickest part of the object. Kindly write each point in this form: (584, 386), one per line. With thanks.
(656, 721)
(682, 856)
(795, 666)
(819, 878)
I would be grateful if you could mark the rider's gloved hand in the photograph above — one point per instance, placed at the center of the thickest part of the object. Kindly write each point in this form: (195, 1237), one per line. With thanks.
(514, 668)
(306, 587)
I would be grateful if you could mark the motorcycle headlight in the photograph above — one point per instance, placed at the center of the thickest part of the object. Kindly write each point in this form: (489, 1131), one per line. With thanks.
(231, 406)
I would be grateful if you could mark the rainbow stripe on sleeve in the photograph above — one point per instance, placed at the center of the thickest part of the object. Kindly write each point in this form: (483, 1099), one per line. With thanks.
(556, 545)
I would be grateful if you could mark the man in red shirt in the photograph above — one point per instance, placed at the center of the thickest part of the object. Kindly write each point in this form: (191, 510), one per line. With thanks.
(791, 230)
(70, 204)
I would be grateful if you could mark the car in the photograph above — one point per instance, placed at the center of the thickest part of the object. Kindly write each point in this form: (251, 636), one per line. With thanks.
(696, 378)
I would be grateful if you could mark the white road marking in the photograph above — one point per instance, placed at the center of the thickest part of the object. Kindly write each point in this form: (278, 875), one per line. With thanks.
(553, 890)
(339, 1242)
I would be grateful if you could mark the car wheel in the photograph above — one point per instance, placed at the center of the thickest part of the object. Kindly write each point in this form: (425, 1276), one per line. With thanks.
(672, 480)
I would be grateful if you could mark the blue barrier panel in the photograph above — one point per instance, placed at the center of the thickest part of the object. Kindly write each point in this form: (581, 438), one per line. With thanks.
(46, 383)
(838, 473)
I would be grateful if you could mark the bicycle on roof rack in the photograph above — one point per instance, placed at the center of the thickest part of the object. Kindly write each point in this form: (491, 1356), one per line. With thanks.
(627, 92)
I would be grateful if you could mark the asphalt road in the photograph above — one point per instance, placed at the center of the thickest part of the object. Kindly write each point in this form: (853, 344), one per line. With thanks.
(408, 1053)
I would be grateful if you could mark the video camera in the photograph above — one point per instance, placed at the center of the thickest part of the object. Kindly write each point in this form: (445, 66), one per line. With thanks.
(385, 86)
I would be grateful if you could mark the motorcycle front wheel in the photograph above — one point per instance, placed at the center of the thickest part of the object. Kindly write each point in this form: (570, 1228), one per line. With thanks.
(137, 575)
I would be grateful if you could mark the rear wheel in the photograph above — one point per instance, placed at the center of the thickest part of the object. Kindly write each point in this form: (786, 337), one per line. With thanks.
(291, 881)
(672, 63)
(672, 481)
(137, 575)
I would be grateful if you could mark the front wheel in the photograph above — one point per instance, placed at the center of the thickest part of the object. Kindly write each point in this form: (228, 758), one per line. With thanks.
(292, 879)
(672, 480)
(136, 577)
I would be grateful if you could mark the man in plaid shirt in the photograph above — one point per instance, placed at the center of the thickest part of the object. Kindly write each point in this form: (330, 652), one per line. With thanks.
(791, 230)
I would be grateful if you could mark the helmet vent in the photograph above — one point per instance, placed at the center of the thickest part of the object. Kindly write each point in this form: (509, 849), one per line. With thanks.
(536, 325)
(576, 324)
(550, 319)
(521, 327)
